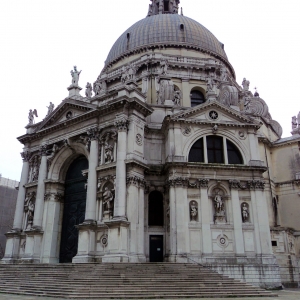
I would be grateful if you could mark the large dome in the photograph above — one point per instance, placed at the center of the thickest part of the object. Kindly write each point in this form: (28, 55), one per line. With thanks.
(165, 30)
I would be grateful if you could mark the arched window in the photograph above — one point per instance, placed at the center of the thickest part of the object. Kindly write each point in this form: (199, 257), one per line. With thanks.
(234, 155)
(156, 209)
(218, 151)
(197, 98)
(197, 152)
(215, 152)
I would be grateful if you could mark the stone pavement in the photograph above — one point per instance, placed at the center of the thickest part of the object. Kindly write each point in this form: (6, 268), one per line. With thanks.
(289, 294)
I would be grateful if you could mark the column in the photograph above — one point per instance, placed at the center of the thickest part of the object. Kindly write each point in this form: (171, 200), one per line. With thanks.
(120, 199)
(91, 197)
(206, 217)
(255, 222)
(18, 219)
(173, 228)
(40, 194)
(141, 221)
(177, 140)
(237, 222)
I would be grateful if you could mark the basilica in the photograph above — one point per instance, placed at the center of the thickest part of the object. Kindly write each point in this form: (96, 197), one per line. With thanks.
(164, 158)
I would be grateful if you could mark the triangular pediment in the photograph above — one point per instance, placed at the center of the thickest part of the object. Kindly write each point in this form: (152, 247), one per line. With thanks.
(68, 110)
(214, 112)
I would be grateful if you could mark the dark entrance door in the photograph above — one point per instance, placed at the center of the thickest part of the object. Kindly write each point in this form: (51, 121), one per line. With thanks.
(156, 248)
(74, 209)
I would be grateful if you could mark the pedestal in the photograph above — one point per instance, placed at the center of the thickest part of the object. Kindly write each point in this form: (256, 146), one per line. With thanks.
(12, 248)
(117, 246)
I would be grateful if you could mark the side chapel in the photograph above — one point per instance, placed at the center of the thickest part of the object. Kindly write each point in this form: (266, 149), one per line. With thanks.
(166, 158)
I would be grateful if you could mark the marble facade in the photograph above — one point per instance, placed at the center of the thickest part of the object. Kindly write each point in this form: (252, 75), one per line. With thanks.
(138, 131)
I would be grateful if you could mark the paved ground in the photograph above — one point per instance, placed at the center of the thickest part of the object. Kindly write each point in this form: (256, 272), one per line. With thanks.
(290, 294)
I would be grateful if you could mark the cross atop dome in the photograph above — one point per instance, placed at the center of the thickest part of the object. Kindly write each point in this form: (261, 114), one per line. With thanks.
(158, 7)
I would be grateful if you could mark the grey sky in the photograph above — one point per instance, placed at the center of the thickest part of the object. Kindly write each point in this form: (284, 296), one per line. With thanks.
(42, 40)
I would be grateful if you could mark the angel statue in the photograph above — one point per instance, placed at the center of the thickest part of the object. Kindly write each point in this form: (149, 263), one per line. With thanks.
(75, 76)
(31, 116)
(50, 108)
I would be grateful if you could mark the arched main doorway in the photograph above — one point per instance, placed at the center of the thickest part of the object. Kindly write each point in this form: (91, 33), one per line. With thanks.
(74, 209)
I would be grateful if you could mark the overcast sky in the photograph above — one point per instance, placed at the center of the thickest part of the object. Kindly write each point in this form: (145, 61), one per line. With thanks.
(41, 41)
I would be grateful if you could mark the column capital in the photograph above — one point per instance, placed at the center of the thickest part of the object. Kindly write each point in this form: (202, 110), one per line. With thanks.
(256, 184)
(203, 183)
(93, 134)
(26, 155)
(135, 180)
(43, 150)
(121, 123)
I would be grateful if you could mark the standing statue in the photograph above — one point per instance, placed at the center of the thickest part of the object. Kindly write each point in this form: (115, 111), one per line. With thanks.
(193, 211)
(224, 75)
(164, 67)
(294, 122)
(108, 198)
(177, 97)
(245, 212)
(298, 117)
(210, 83)
(219, 204)
(75, 76)
(31, 116)
(145, 82)
(108, 150)
(246, 85)
(50, 109)
(88, 91)
(29, 210)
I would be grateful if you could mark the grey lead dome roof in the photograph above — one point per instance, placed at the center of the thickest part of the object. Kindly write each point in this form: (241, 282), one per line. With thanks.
(164, 29)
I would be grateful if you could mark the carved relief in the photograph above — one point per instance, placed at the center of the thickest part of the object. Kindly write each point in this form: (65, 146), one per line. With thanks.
(165, 91)
(186, 130)
(101, 180)
(99, 87)
(139, 139)
(164, 67)
(128, 73)
(104, 240)
(29, 207)
(245, 212)
(34, 165)
(222, 241)
(250, 184)
(219, 205)
(193, 211)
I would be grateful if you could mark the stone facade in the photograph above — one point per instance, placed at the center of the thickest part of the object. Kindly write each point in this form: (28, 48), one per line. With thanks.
(8, 198)
(184, 163)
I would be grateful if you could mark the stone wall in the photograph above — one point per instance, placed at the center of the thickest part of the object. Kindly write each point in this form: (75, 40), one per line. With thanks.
(8, 198)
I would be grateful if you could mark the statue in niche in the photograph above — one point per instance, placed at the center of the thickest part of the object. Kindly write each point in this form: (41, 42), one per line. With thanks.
(31, 115)
(219, 216)
(245, 213)
(50, 109)
(108, 203)
(246, 85)
(193, 211)
(164, 67)
(75, 76)
(108, 150)
(88, 91)
(294, 122)
(29, 210)
(34, 169)
(166, 91)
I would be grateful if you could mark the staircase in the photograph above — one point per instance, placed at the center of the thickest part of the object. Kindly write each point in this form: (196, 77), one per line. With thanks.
(122, 281)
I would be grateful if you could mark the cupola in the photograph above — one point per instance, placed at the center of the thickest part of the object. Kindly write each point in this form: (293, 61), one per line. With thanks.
(158, 7)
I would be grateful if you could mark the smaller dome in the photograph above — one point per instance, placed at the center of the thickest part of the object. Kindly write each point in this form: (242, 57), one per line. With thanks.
(166, 30)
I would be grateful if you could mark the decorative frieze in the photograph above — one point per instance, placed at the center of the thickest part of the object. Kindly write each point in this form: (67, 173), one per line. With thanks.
(250, 184)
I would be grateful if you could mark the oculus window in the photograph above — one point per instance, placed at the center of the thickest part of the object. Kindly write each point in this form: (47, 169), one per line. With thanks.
(219, 150)
(197, 98)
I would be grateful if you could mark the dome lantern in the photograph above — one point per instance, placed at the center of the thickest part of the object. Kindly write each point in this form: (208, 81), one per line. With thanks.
(158, 7)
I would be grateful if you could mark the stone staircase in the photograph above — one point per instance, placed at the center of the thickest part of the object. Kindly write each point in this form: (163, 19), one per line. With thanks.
(122, 281)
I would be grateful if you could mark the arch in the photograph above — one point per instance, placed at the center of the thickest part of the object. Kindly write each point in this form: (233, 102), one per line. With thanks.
(74, 208)
(197, 97)
(63, 160)
(200, 133)
(155, 209)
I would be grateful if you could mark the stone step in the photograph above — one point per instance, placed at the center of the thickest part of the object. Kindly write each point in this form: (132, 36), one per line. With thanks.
(122, 281)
